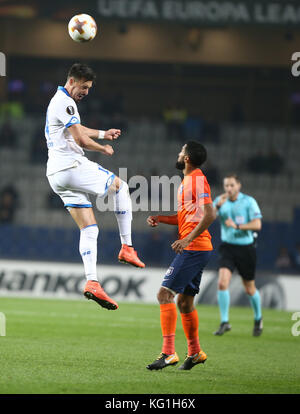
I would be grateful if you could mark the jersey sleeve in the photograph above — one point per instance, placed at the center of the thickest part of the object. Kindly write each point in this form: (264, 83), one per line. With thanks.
(203, 194)
(254, 210)
(67, 113)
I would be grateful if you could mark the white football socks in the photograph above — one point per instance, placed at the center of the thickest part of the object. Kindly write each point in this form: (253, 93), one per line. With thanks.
(88, 250)
(123, 213)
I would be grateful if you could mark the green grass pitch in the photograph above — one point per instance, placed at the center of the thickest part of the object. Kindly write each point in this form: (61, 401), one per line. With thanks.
(76, 347)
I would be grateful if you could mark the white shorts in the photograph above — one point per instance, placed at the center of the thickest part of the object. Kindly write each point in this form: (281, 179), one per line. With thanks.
(76, 183)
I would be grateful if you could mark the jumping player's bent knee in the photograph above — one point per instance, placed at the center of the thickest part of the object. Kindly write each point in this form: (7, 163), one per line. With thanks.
(116, 184)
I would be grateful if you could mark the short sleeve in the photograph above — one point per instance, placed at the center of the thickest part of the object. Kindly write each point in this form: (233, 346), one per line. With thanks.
(254, 210)
(207, 192)
(202, 191)
(67, 113)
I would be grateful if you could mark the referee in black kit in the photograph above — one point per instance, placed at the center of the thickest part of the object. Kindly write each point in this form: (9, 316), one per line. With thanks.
(239, 216)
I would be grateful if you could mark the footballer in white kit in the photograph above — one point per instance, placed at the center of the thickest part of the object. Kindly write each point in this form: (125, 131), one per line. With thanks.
(73, 176)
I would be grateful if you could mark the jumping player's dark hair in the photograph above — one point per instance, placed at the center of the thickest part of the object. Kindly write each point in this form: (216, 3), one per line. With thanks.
(196, 153)
(81, 71)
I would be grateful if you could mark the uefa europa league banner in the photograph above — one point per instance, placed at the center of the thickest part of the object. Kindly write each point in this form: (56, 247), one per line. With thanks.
(196, 12)
(125, 284)
(204, 12)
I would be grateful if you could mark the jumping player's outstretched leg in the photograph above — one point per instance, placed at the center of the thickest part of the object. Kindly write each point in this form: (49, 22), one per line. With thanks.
(85, 219)
(123, 213)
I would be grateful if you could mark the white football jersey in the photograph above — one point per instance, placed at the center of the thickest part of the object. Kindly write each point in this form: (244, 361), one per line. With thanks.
(63, 151)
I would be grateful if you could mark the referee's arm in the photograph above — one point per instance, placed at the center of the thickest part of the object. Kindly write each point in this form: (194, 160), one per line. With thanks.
(219, 201)
(254, 225)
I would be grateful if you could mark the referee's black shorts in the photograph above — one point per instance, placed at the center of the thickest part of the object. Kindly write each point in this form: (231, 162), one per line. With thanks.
(240, 257)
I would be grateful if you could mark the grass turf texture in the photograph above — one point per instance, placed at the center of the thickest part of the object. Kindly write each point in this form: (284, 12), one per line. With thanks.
(76, 347)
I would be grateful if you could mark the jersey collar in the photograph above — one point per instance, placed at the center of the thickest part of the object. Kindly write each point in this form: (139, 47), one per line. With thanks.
(61, 88)
(238, 197)
(194, 172)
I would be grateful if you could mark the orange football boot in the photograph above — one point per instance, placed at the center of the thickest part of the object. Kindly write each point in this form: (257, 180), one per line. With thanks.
(129, 255)
(191, 361)
(94, 291)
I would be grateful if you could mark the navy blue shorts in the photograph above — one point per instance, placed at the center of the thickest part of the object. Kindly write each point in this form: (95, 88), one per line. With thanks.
(185, 272)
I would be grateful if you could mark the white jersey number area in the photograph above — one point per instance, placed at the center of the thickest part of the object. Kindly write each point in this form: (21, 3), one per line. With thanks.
(63, 151)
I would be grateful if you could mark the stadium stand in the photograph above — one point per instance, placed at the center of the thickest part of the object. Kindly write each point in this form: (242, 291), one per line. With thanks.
(146, 149)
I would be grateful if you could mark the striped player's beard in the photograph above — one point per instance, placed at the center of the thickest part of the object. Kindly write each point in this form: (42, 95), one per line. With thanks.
(180, 165)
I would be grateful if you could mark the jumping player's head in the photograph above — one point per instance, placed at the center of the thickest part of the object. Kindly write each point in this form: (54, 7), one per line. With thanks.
(79, 81)
(232, 186)
(192, 155)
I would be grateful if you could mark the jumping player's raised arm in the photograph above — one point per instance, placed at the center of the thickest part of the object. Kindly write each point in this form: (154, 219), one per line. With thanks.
(81, 137)
(110, 134)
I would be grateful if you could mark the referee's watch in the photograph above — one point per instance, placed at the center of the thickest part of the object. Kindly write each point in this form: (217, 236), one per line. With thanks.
(238, 227)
